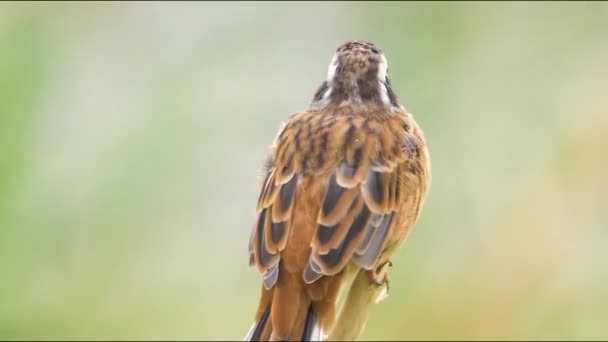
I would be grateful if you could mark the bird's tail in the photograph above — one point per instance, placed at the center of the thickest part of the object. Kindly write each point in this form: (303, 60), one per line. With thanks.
(283, 316)
(258, 327)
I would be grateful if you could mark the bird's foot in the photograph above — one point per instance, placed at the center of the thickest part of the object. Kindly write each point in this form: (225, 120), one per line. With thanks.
(381, 277)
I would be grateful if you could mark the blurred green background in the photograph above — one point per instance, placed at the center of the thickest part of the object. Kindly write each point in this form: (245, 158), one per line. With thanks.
(132, 135)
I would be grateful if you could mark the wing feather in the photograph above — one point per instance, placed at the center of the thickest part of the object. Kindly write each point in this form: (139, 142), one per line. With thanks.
(336, 203)
(357, 164)
(275, 206)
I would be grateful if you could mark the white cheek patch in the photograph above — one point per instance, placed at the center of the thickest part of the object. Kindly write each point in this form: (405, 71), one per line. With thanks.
(382, 72)
(383, 65)
(327, 93)
(333, 65)
(384, 93)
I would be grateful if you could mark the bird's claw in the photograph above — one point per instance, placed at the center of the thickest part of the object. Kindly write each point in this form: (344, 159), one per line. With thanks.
(381, 277)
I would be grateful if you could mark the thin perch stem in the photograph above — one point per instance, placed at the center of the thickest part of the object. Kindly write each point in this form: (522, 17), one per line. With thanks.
(356, 309)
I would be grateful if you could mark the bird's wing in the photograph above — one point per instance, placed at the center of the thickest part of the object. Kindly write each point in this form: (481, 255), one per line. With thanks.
(356, 159)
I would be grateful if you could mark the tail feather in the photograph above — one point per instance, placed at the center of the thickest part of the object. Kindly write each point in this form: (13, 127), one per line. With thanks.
(255, 333)
(311, 332)
(308, 325)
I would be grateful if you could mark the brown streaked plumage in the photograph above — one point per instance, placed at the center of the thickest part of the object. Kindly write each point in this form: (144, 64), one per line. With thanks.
(343, 184)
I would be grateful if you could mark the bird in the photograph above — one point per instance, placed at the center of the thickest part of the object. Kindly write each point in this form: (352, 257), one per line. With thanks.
(341, 186)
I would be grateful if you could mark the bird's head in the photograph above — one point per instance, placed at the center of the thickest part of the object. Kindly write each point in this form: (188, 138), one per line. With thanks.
(357, 74)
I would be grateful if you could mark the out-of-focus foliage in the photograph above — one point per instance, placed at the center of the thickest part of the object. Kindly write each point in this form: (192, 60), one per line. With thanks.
(132, 134)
